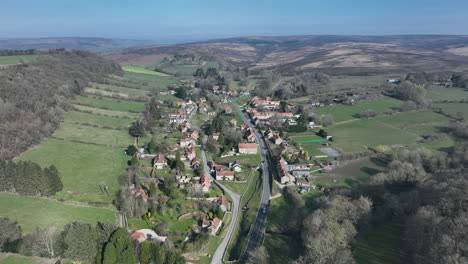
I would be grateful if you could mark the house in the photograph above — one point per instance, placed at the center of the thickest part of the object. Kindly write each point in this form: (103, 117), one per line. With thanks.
(195, 163)
(184, 142)
(235, 166)
(141, 193)
(285, 177)
(277, 140)
(159, 162)
(222, 202)
(250, 135)
(248, 148)
(269, 133)
(244, 127)
(215, 225)
(146, 234)
(306, 184)
(194, 135)
(190, 154)
(300, 173)
(203, 186)
(215, 136)
(228, 110)
(224, 175)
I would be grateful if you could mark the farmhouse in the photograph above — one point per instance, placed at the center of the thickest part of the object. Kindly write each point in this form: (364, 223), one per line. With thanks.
(235, 166)
(277, 139)
(248, 148)
(228, 110)
(222, 202)
(224, 175)
(213, 225)
(146, 234)
(215, 136)
(184, 142)
(159, 162)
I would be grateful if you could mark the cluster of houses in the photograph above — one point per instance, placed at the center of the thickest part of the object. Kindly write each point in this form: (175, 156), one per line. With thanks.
(261, 112)
(184, 110)
(221, 173)
(290, 173)
(217, 91)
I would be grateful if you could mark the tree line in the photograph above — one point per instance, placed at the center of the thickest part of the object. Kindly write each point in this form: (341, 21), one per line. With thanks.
(28, 178)
(35, 95)
(87, 243)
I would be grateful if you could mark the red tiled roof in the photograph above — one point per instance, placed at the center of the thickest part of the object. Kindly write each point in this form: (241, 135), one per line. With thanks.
(248, 145)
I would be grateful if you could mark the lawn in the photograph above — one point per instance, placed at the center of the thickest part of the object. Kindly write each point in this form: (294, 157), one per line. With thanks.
(31, 212)
(356, 136)
(437, 93)
(143, 71)
(96, 120)
(15, 259)
(105, 112)
(380, 245)
(94, 135)
(83, 167)
(111, 104)
(454, 108)
(127, 92)
(9, 60)
(245, 160)
(342, 113)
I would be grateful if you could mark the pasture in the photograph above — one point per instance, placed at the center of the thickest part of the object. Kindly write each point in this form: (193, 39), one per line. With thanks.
(105, 112)
(93, 135)
(10, 60)
(342, 113)
(143, 71)
(96, 120)
(115, 89)
(111, 104)
(399, 129)
(31, 212)
(437, 93)
(454, 108)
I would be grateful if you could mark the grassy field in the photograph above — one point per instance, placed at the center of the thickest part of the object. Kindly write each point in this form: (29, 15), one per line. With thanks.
(441, 93)
(96, 120)
(143, 71)
(398, 129)
(94, 135)
(14, 259)
(111, 104)
(380, 245)
(9, 60)
(105, 112)
(31, 212)
(123, 91)
(454, 108)
(186, 70)
(83, 167)
(342, 113)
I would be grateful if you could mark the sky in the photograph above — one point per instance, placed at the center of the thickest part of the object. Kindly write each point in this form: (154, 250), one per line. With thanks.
(187, 20)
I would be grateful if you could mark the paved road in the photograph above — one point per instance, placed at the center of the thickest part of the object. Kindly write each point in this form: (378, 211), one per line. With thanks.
(218, 255)
(260, 222)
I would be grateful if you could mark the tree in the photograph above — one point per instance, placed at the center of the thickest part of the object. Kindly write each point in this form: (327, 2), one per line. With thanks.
(80, 242)
(10, 235)
(258, 256)
(131, 150)
(177, 163)
(145, 254)
(134, 161)
(322, 133)
(159, 253)
(42, 242)
(136, 129)
(119, 249)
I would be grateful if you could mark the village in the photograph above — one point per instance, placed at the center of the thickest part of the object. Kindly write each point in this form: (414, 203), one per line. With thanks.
(191, 126)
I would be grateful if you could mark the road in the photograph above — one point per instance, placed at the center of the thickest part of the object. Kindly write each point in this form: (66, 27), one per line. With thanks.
(218, 255)
(258, 230)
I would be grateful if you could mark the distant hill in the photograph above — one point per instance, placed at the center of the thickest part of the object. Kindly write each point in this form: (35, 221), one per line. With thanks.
(96, 45)
(334, 54)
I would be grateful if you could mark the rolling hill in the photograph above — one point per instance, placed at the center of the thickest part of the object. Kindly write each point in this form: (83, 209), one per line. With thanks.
(96, 45)
(334, 54)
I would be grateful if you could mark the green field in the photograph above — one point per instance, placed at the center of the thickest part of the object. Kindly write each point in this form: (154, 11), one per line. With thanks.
(380, 245)
(342, 113)
(441, 93)
(454, 108)
(14, 259)
(105, 112)
(83, 167)
(355, 82)
(31, 212)
(96, 120)
(143, 71)
(399, 129)
(123, 91)
(100, 136)
(9, 60)
(183, 69)
(111, 104)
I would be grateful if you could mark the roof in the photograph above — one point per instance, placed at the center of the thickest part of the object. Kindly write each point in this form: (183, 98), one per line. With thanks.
(248, 145)
(216, 223)
(138, 236)
(159, 159)
(216, 134)
(224, 173)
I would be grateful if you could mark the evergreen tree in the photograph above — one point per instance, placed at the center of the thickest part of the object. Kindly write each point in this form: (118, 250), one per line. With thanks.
(119, 249)
(145, 252)
(80, 242)
(159, 254)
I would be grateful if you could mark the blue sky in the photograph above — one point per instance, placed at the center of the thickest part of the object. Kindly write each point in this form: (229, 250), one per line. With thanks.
(178, 20)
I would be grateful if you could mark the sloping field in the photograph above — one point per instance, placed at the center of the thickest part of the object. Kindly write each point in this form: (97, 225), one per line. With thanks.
(31, 212)
(143, 71)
